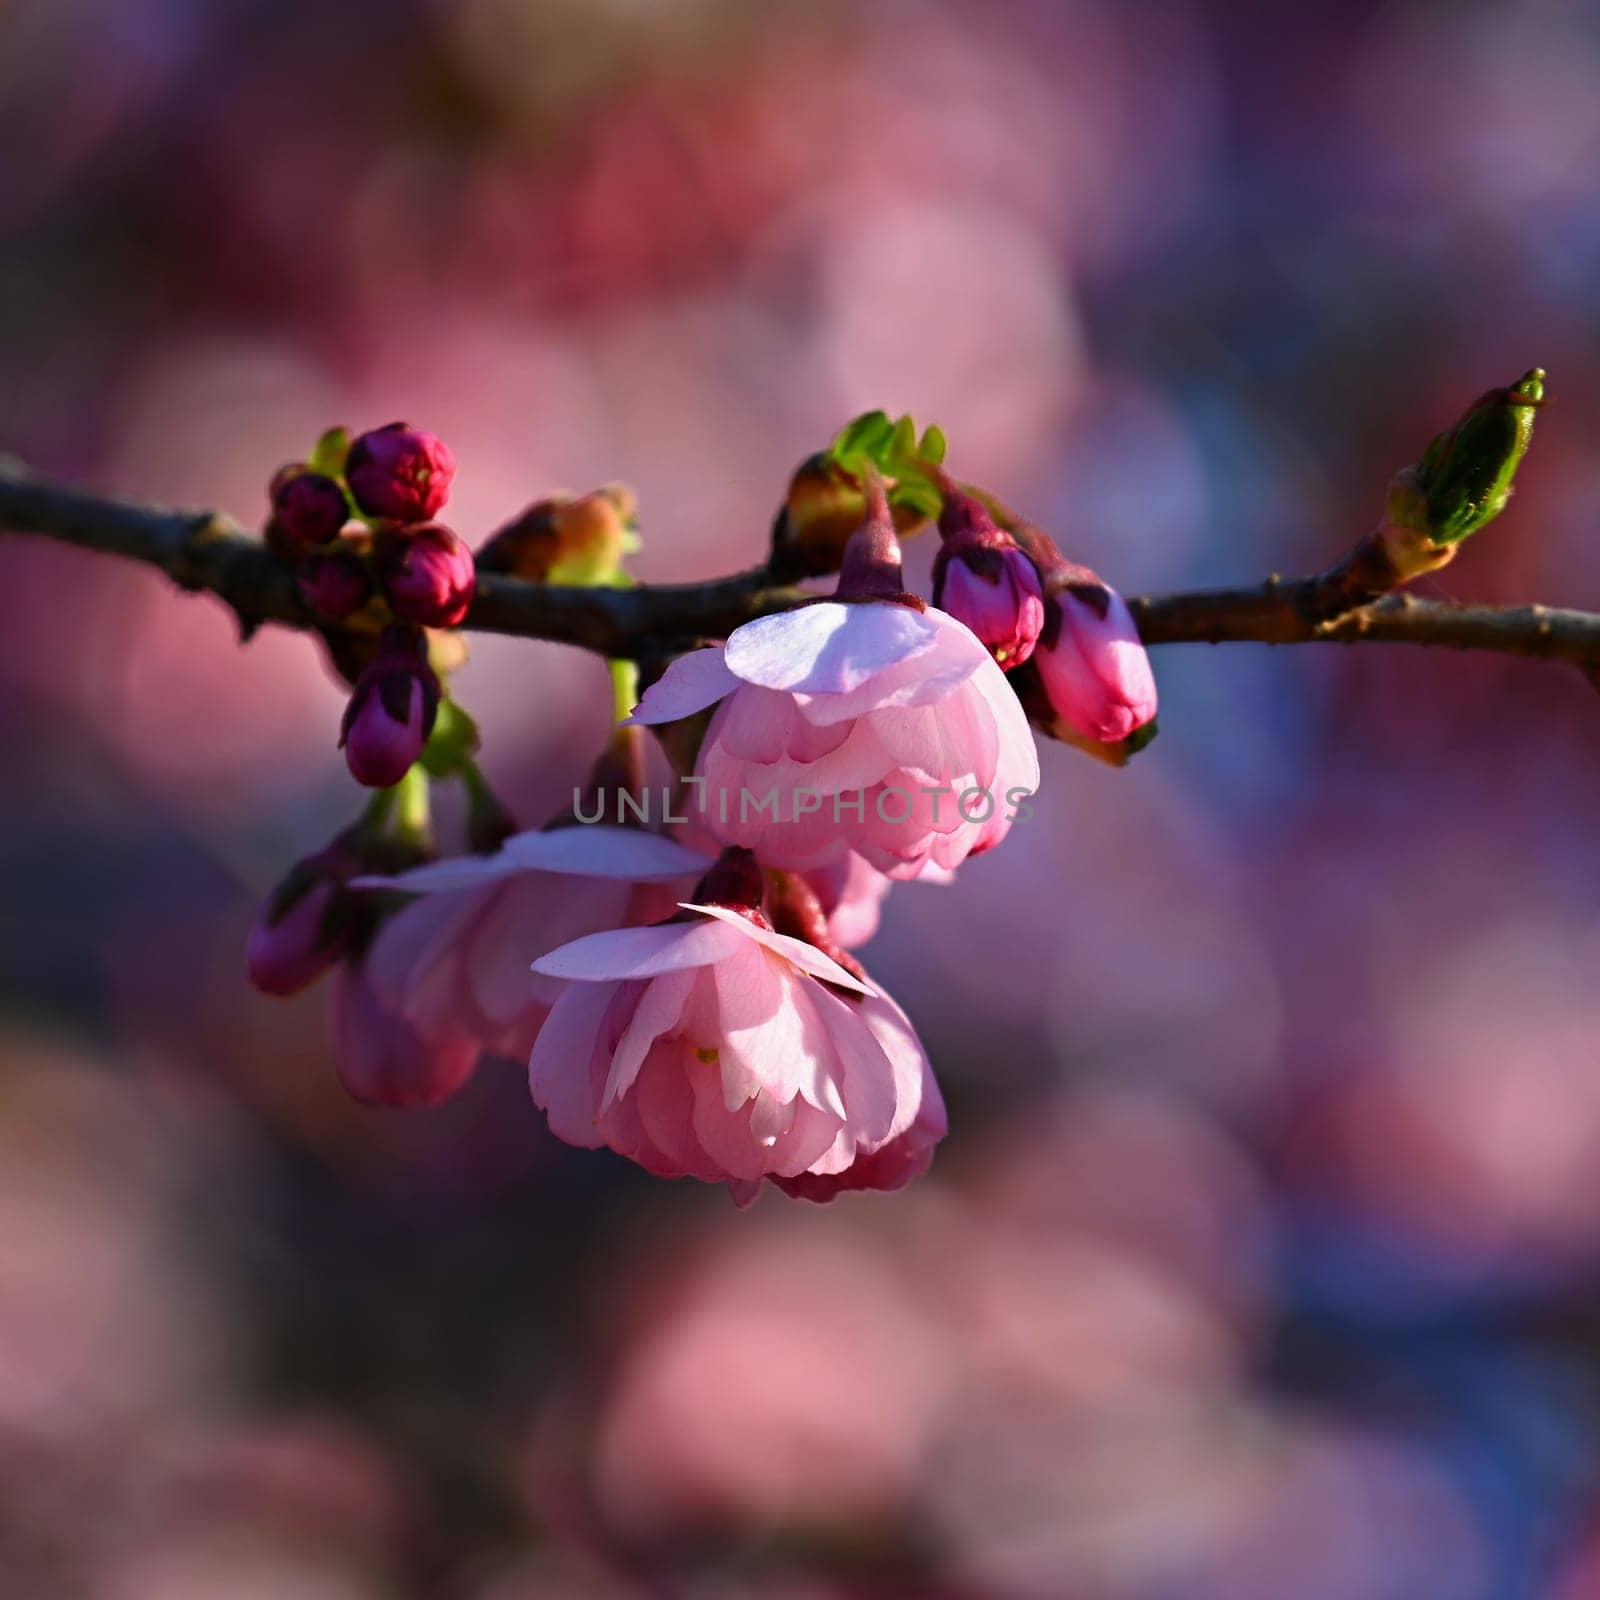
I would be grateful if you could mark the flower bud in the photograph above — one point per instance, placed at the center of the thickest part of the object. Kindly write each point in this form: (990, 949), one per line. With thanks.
(566, 540)
(309, 506)
(983, 578)
(334, 583)
(400, 473)
(1464, 478)
(1091, 663)
(823, 507)
(392, 711)
(428, 575)
(305, 924)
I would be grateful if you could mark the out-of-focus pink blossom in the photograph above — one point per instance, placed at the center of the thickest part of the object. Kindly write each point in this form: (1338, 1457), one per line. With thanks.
(1092, 663)
(787, 1379)
(383, 1057)
(457, 959)
(309, 506)
(391, 713)
(400, 472)
(864, 727)
(428, 575)
(714, 1048)
(982, 578)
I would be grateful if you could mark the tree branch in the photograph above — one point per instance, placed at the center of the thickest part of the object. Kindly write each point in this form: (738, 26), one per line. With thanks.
(207, 551)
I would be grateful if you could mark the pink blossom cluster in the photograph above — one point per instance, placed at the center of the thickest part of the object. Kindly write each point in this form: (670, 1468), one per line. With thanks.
(687, 996)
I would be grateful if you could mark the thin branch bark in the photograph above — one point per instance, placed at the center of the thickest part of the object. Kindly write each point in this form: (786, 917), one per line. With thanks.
(205, 551)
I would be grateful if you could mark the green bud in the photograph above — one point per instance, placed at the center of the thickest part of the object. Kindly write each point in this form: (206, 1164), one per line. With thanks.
(1464, 477)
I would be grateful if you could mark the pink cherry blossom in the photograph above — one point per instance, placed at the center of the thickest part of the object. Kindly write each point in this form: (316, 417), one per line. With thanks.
(456, 960)
(712, 1047)
(1092, 663)
(863, 726)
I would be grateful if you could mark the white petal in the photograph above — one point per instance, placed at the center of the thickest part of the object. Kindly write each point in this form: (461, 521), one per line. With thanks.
(922, 677)
(829, 648)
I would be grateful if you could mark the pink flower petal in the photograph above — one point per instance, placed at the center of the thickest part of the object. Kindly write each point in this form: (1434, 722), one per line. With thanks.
(640, 952)
(807, 957)
(830, 648)
(561, 1070)
(601, 851)
(690, 684)
(658, 1011)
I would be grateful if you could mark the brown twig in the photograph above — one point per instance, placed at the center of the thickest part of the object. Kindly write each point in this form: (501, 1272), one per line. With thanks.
(205, 551)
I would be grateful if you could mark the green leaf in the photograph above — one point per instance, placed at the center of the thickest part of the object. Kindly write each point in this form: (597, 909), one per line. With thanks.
(903, 441)
(918, 495)
(329, 452)
(866, 435)
(933, 445)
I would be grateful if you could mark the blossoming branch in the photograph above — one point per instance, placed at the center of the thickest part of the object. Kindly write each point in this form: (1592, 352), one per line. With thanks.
(684, 983)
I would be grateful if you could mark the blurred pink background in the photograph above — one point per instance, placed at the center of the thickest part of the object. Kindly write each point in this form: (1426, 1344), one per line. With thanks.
(1263, 1259)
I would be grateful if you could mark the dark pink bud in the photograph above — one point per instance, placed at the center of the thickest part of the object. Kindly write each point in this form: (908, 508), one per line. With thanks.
(304, 925)
(982, 577)
(310, 508)
(334, 583)
(400, 473)
(1092, 663)
(392, 711)
(428, 574)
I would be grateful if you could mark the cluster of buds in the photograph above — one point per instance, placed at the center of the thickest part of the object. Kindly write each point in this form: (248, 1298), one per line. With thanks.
(1084, 675)
(357, 522)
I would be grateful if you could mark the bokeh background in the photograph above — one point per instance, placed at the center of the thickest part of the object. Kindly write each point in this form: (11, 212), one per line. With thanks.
(1263, 1259)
